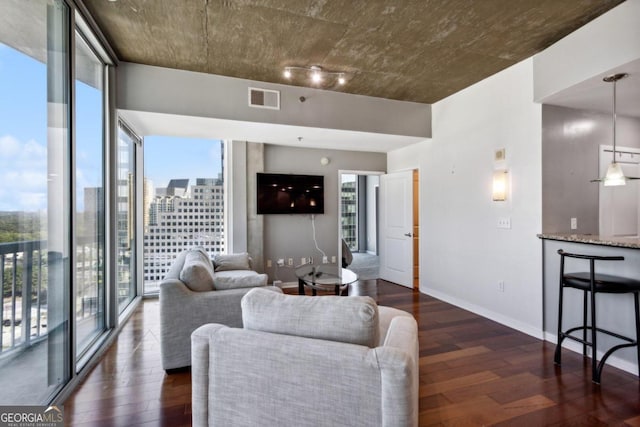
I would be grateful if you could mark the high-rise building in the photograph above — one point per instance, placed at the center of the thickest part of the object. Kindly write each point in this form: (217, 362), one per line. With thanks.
(149, 194)
(178, 223)
(178, 187)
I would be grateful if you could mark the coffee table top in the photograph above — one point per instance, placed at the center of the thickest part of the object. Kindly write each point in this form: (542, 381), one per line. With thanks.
(325, 275)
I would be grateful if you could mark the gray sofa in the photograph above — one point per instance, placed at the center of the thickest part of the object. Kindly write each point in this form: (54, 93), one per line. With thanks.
(307, 361)
(195, 292)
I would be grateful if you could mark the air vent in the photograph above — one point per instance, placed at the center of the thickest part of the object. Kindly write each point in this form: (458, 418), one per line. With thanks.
(264, 98)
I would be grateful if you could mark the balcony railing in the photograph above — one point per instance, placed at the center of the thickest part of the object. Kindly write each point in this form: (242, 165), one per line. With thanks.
(23, 274)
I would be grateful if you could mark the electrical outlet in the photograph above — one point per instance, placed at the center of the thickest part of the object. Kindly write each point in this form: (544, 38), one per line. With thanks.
(325, 260)
(574, 223)
(280, 262)
(268, 263)
(303, 261)
(333, 259)
(501, 286)
(290, 261)
(504, 222)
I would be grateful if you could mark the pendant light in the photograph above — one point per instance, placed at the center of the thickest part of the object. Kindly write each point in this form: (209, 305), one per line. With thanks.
(615, 175)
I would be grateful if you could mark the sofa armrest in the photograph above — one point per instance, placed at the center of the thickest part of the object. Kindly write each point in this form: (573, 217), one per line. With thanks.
(200, 372)
(399, 365)
(183, 310)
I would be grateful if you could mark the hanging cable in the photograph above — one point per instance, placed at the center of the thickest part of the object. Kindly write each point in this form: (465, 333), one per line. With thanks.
(313, 226)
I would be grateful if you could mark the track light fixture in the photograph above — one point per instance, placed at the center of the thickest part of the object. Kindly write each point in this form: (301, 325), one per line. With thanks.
(316, 74)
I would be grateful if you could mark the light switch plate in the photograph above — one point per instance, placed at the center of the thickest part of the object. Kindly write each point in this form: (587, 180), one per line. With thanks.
(504, 222)
(574, 223)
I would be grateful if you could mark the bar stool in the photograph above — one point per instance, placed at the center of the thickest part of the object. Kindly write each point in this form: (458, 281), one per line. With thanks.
(593, 283)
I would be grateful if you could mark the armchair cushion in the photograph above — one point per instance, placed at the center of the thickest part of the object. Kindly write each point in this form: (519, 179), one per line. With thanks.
(236, 279)
(197, 271)
(227, 262)
(351, 320)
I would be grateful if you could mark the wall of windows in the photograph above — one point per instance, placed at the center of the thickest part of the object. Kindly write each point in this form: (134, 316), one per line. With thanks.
(53, 210)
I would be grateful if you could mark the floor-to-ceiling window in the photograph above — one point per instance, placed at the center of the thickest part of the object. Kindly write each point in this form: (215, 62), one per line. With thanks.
(183, 201)
(125, 215)
(89, 218)
(349, 211)
(53, 210)
(34, 200)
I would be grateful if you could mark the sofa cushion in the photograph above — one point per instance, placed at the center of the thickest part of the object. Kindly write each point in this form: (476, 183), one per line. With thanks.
(197, 271)
(233, 279)
(345, 319)
(232, 262)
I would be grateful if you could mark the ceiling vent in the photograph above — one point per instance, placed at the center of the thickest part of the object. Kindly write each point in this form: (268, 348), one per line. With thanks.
(264, 98)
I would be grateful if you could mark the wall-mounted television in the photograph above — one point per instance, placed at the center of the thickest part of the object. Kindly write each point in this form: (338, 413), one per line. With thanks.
(290, 194)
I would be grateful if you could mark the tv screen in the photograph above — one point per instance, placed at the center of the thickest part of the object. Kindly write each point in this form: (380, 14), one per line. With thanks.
(290, 194)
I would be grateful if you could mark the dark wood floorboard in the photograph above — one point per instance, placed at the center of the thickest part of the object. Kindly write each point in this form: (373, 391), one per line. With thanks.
(473, 372)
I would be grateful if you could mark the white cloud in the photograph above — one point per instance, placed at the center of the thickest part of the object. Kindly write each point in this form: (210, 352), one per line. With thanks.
(23, 175)
(9, 147)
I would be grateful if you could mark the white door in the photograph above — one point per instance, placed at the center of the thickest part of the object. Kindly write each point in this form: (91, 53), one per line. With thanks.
(396, 224)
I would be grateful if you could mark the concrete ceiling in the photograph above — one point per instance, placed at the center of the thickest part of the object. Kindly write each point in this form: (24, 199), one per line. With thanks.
(412, 50)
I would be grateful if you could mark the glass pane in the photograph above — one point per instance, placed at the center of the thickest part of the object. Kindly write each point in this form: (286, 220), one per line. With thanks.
(183, 200)
(90, 197)
(34, 201)
(125, 217)
(349, 201)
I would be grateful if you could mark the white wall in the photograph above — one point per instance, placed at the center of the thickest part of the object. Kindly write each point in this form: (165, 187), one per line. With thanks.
(463, 255)
(292, 235)
(611, 40)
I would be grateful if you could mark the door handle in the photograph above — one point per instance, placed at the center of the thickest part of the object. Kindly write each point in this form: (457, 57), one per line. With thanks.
(407, 234)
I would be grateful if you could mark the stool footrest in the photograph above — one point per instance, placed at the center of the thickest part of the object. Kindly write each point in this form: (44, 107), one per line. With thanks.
(567, 333)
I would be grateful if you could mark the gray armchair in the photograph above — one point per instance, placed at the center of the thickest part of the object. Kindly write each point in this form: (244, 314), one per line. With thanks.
(192, 295)
(307, 361)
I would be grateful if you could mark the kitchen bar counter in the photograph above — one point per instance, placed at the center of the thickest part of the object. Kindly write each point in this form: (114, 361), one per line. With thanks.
(594, 239)
(615, 311)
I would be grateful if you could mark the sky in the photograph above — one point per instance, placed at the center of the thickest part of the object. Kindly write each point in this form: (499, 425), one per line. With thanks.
(168, 157)
(24, 143)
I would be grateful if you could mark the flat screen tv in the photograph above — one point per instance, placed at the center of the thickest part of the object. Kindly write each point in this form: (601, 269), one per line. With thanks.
(290, 194)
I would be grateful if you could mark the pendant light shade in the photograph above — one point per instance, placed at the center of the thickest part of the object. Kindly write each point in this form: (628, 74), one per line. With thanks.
(615, 175)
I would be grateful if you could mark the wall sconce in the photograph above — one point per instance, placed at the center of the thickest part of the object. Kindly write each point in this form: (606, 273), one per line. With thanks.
(500, 185)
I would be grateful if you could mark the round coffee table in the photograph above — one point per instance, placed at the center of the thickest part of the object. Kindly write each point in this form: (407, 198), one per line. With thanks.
(324, 277)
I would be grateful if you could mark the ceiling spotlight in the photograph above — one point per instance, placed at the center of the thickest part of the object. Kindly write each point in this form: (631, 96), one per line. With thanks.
(317, 74)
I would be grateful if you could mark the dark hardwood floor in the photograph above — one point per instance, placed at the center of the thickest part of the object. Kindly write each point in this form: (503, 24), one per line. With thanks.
(472, 372)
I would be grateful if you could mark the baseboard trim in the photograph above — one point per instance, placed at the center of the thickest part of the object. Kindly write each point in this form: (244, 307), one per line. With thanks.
(613, 360)
(481, 311)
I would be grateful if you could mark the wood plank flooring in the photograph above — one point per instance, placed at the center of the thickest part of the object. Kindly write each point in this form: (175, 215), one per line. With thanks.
(473, 372)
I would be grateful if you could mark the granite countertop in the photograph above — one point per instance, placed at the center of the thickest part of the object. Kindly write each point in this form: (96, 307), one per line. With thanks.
(594, 239)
